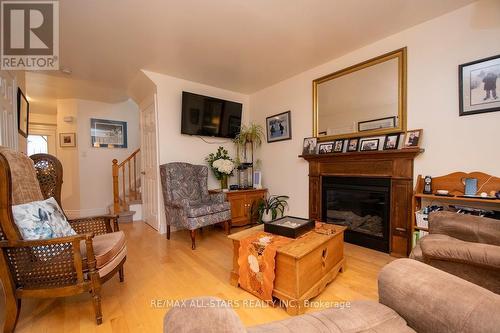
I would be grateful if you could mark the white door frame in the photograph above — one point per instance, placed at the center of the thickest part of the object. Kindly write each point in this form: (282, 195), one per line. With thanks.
(49, 131)
(8, 110)
(148, 102)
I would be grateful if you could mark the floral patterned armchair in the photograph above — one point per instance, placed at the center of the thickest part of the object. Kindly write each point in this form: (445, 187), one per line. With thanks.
(188, 205)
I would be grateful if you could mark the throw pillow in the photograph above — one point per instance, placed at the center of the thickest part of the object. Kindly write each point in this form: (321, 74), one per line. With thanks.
(41, 220)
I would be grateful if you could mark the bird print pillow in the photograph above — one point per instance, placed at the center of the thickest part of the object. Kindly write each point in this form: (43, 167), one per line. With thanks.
(41, 220)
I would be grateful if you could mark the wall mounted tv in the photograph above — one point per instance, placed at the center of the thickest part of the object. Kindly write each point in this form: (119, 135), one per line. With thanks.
(208, 116)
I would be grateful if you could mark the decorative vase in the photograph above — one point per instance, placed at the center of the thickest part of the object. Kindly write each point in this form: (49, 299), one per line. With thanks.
(267, 216)
(223, 183)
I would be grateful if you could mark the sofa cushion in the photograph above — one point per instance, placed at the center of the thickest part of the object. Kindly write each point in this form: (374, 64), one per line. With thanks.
(106, 247)
(41, 220)
(202, 209)
(442, 247)
(360, 316)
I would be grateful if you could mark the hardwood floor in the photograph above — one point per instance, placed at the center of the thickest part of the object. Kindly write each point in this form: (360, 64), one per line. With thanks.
(157, 269)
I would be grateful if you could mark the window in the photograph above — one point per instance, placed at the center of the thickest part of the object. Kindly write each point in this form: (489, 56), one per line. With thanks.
(38, 144)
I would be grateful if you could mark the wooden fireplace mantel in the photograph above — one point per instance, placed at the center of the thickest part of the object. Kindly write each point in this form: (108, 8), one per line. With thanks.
(394, 164)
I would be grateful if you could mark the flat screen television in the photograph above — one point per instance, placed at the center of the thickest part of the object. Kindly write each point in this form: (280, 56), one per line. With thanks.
(208, 116)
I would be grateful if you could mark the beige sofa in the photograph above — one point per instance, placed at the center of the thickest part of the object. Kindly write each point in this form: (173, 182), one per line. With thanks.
(413, 297)
(463, 245)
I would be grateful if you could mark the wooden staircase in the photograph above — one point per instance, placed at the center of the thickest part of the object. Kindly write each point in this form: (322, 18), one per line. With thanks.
(126, 188)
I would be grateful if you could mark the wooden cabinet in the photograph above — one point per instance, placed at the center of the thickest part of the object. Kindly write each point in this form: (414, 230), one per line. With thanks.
(241, 205)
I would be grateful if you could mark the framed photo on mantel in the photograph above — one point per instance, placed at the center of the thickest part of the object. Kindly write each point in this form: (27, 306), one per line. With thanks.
(479, 86)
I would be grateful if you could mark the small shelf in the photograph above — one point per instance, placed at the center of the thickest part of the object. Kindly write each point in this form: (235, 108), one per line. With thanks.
(453, 183)
(456, 198)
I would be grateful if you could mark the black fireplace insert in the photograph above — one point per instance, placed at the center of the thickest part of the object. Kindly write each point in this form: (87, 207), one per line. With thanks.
(362, 205)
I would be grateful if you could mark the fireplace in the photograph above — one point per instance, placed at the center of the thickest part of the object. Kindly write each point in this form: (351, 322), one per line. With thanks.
(390, 172)
(362, 205)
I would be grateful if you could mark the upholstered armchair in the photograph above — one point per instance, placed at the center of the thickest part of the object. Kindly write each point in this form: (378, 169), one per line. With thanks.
(463, 245)
(188, 205)
(55, 267)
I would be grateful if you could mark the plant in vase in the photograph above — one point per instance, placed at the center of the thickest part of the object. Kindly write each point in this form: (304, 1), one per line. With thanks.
(269, 208)
(221, 165)
(246, 140)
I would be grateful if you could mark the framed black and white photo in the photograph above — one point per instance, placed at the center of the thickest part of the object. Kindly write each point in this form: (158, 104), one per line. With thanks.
(279, 127)
(412, 138)
(325, 148)
(108, 133)
(352, 144)
(23, 113)
(391, 141)
(478, 84)
(338, 146)
(387, 122)
(369, 144)
(67, 140)
(309, 146)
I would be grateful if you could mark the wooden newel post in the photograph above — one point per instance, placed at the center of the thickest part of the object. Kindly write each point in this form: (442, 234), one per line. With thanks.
(116, 194)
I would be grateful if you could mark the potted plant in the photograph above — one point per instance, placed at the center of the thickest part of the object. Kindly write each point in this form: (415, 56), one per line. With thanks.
(246, 140)
(221, 165)
(268, 208)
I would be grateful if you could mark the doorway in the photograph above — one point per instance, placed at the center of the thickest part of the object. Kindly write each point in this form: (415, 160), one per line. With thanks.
(150, 170)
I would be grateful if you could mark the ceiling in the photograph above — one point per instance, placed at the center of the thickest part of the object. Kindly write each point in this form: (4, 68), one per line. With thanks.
(240, 45)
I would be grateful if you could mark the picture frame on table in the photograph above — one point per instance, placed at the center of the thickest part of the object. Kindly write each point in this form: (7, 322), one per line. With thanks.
(391, 141)
(412, 138)
(325, 148)
(479, 86)
(352, 145)
(369, 144)
(338, 146)
(67, 140)
(279, 127)
(309, 146)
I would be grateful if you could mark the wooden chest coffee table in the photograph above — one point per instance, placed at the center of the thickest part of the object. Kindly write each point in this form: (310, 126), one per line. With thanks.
(304, 267)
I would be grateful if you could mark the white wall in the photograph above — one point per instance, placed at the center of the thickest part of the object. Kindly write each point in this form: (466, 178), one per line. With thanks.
(176, 147)
(87, 187)
(96, 182)
(435, 49)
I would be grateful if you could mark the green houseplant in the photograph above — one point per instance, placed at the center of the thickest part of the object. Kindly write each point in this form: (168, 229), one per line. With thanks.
(248, 138)
(268, 208)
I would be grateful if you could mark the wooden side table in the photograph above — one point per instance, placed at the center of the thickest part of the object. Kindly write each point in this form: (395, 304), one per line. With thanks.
(241, 205)
(304, 267)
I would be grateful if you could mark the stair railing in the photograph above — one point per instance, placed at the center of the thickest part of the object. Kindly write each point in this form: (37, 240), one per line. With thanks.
(127, 167)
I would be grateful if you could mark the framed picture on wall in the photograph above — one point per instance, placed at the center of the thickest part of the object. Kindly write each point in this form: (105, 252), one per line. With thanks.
(23, 111)
(279, 127)
(108, 133)
(67, 140)
(479, 84)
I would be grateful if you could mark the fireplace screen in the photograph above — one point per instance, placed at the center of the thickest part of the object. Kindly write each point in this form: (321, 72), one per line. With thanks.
(360, 204)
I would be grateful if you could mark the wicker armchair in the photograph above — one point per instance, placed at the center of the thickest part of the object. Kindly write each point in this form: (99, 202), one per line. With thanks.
(56, 267)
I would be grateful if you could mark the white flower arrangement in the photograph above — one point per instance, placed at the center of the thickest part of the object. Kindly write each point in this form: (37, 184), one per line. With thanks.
(223, 166)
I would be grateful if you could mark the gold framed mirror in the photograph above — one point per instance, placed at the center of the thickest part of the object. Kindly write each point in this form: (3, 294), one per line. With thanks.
(366, 99)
